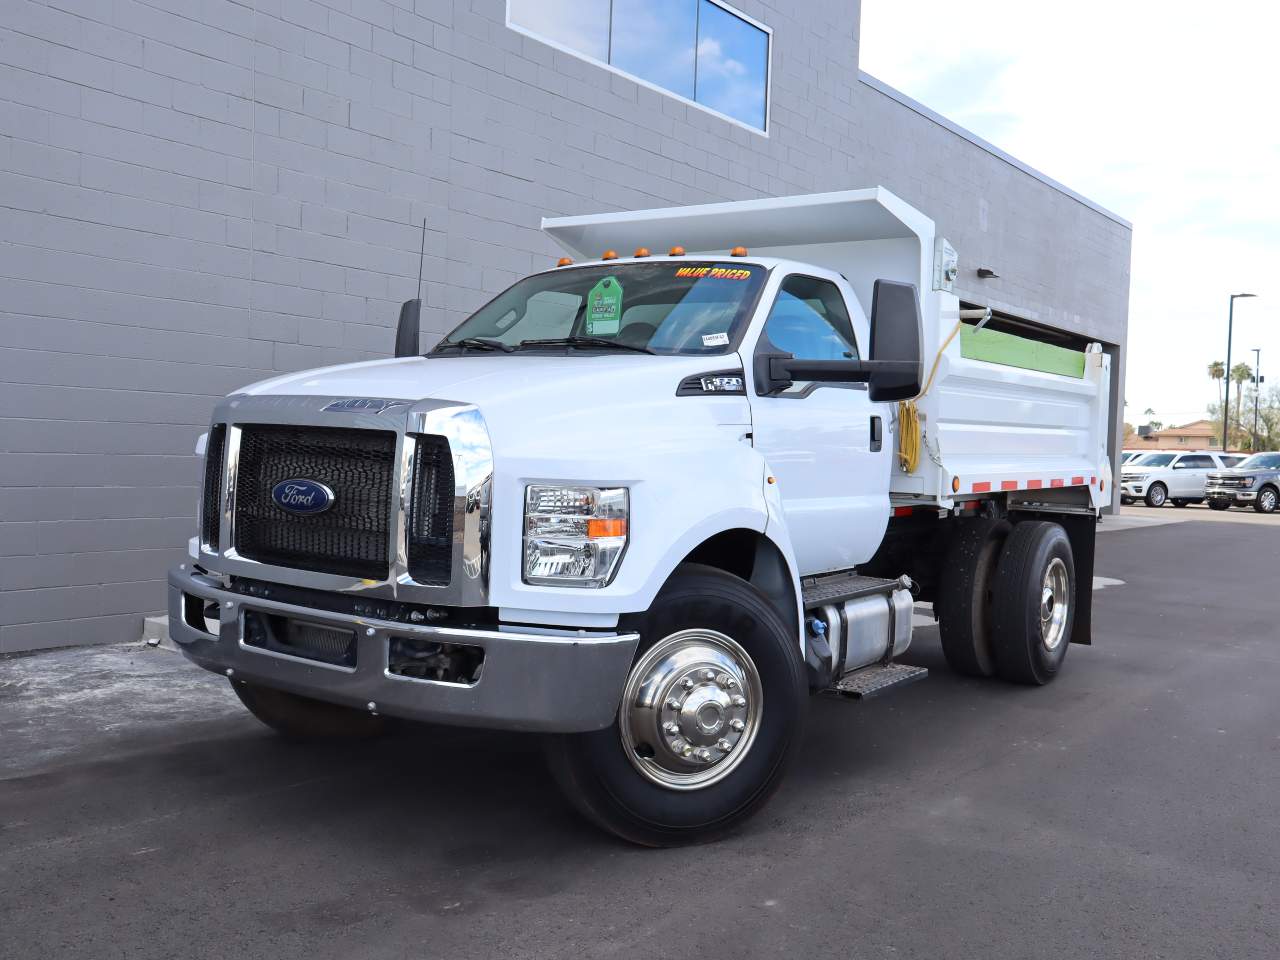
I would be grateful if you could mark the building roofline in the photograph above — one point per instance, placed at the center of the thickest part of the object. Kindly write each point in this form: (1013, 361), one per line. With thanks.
(881, 87)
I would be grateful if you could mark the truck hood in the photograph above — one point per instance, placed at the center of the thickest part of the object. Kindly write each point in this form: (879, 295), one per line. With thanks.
(534, 403)
(486, 379)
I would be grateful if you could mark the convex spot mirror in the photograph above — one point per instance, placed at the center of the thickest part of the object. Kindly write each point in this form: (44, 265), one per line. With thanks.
(896, 365)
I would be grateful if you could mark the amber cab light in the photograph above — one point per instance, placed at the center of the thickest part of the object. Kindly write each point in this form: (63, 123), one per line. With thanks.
(609, 255)
(564, 261)
(738, 252)
(641, 252)
(676, 252)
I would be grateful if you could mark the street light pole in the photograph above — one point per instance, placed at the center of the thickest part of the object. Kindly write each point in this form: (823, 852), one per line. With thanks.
(1226, 407)
(1257, 389)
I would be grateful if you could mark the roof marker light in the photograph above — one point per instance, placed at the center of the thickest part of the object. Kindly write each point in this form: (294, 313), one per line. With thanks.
(609, 255)
(676, 252)
(564, 261)
(641, 252)
(738, 252)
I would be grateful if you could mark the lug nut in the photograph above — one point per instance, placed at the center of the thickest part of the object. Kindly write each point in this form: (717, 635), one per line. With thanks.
(673, 703)
(708, 675)
(688, 683)
(671, 727)
(686, 750)
(704, 756)
(731, 683)
(739, 700)
(725, 745)
(737, 725)
(678, 745)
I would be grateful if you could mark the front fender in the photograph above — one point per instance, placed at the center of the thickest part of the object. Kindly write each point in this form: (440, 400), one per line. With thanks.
(679, 499)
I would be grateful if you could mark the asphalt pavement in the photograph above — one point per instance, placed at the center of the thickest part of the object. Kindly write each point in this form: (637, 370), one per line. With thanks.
(1127, 810)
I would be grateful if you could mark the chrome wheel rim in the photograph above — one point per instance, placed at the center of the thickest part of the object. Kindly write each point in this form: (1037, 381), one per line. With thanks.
(1268, 500)
(691, 709)
(1157, 495)
(1055, 604)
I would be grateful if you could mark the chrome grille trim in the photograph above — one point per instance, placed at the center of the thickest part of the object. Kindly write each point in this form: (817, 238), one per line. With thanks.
(472, 454)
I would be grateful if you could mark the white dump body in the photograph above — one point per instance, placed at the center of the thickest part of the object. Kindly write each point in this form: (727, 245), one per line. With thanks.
(986, 427)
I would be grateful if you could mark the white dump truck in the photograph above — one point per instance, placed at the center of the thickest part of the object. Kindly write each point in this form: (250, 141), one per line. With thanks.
(647, 505)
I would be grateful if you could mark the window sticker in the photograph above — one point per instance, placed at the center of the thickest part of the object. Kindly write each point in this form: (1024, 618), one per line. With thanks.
(714, 273)
(715, 339)
(604, 308)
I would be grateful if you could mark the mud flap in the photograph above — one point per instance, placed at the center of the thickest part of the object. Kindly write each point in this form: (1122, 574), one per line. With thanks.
(1082, 529)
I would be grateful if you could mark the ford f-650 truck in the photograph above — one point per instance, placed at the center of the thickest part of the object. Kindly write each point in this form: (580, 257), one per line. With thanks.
(646, 505)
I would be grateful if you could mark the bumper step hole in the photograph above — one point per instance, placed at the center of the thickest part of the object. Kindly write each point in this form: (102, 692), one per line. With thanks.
(419, 659)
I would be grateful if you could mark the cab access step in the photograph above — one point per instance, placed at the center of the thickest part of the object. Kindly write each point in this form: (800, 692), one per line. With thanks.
(856, 626)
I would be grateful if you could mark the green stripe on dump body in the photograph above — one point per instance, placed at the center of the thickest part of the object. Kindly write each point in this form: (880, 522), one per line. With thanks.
(1014, 351)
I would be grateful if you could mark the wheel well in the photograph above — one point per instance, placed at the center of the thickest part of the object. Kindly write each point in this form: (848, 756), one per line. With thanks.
(755, 558)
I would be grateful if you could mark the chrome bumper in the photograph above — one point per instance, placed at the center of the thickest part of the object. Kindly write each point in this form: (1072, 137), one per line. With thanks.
(1234, 494)
(562, 681)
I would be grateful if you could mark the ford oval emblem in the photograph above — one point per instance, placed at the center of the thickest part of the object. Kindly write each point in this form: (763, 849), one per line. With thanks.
(302, 496)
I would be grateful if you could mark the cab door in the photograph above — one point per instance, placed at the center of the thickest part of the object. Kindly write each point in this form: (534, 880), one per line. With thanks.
(827, 444)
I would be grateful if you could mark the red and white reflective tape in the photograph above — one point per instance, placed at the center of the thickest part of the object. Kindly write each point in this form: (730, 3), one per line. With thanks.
(987, 486)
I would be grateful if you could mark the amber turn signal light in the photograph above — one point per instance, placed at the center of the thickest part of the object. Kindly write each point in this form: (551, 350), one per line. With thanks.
(600, 529)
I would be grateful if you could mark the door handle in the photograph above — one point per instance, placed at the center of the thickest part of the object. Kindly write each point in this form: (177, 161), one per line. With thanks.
(877, 434)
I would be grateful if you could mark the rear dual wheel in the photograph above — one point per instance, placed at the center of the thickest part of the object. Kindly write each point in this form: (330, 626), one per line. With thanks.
(1006, 600)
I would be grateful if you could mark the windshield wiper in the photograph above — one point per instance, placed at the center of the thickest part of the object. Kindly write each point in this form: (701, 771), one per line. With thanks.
(476, 343)
(598, 342)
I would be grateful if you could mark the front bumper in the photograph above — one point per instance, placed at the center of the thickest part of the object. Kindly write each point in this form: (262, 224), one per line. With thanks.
(563, 681)
(1230, 494)
(1130, 489)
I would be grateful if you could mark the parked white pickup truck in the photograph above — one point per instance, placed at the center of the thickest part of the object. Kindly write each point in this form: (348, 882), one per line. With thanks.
(647, 505)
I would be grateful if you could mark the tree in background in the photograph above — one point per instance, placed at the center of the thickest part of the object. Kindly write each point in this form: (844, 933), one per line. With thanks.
(1217, 370)
(1240, 373)
(1268, 419)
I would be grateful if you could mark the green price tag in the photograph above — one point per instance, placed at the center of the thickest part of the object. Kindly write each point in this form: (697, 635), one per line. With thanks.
(604, 308)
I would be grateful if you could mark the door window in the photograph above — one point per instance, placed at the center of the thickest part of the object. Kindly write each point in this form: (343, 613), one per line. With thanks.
(1195, 462)
(809, 321)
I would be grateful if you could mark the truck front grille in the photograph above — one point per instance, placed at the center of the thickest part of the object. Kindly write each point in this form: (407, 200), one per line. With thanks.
(431, 512)
(350, 538)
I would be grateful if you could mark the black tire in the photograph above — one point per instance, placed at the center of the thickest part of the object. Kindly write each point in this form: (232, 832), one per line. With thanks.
(1157, 494)
(1268, 500)
(1219, 504)
(603, 783)
(1179, 502)
(302, 718)
(964, 595)
(1126, 501)
(1016, 611)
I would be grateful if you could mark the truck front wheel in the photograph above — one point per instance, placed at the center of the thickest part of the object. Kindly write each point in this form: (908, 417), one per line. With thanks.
(1034, 608)
(301, 718)
(712, 709)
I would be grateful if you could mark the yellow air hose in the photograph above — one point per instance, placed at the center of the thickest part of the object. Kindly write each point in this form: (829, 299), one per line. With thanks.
(909, 433)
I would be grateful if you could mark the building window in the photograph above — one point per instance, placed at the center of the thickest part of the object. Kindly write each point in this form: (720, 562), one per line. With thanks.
(701, 51)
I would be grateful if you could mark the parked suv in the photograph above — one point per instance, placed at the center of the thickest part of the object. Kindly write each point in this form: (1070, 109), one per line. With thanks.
(1168, 477)
(1253, 482)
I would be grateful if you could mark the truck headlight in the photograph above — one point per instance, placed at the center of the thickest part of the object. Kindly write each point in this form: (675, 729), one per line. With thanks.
(573, 536)
(1247, 482)
(1134, 477)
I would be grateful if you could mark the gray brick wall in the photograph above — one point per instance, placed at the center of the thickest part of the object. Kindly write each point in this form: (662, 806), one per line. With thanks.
(197, 193)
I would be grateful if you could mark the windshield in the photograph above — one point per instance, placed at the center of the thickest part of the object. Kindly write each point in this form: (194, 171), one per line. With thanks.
(1152, 460)
(668, 307)
(1261, 461)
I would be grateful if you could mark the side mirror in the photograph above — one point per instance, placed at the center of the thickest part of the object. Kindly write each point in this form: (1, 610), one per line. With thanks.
(897, 369)
(407, 329)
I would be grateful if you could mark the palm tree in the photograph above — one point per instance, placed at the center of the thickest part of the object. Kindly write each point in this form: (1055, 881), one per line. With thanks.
(1217, 370)
(1239, 374)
